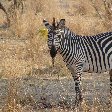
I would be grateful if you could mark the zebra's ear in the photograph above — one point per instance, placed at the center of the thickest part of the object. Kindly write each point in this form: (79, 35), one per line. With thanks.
(61, 24)
(47, 25)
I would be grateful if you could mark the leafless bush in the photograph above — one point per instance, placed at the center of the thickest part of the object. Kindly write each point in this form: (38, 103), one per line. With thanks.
(108, 9)
(16, 5)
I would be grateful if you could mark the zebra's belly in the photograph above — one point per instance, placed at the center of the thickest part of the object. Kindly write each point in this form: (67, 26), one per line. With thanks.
(90, 68)
(100, 62)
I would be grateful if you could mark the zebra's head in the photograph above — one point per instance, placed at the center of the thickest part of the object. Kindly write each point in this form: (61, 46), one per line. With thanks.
(54, 35)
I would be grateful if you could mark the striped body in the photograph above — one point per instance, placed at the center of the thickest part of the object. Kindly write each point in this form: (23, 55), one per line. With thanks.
(95, 51)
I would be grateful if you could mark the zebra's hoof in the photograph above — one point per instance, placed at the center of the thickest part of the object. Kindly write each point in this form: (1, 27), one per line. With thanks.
(79, 98)
(111, 93)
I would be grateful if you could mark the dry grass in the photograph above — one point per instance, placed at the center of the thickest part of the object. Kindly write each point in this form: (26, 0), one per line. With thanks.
(24, 52)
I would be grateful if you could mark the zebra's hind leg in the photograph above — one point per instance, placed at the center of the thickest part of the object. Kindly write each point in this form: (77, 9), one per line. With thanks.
(110, 81)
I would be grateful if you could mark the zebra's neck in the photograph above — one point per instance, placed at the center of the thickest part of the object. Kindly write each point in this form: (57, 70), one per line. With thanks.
(70, 44)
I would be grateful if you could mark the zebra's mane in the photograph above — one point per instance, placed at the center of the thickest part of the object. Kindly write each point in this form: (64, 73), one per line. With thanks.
(70, 34)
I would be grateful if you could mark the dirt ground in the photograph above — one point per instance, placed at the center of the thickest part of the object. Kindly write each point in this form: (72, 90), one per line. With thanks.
(42, 94)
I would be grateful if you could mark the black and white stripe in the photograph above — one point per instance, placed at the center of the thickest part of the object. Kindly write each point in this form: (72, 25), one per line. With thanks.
(81, 53)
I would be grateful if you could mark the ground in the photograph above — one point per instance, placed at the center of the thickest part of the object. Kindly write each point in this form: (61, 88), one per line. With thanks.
(58, 94)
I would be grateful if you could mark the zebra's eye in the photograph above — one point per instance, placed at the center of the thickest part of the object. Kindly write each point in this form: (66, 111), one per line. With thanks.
(56, 39)
(59, 36)
(55, 33)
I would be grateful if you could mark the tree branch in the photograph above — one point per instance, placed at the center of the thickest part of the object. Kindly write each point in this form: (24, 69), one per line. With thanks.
(3, 8)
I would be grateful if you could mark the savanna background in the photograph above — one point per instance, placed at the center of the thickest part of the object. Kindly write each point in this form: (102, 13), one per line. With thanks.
(28, 82)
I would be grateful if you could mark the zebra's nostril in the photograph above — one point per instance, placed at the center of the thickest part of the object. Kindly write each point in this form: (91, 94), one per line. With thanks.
(53, 51)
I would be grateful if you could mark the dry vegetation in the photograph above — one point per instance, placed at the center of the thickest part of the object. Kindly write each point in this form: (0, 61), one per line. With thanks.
(25, 65)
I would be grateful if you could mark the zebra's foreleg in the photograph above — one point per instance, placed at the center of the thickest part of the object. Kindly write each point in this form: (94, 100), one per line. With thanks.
(77, 79)
(110, 81)
(76, 74)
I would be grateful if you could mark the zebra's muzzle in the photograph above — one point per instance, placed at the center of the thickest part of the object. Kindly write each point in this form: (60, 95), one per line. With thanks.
(53, 51)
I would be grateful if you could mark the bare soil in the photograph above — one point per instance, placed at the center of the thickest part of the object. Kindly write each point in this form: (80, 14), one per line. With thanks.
(41, 93)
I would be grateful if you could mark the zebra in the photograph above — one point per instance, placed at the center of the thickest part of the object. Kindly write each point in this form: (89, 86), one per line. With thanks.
(81, 53)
